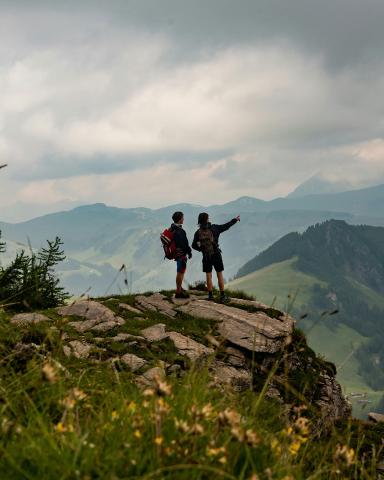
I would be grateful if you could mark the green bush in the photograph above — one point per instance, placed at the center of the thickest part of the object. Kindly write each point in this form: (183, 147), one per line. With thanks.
(30, 282)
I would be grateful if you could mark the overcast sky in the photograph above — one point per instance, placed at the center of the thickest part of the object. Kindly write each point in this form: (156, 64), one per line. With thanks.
(153, 102)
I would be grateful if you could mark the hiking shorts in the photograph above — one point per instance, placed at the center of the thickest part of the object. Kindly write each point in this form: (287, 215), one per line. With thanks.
(181, 264)
(215, 261)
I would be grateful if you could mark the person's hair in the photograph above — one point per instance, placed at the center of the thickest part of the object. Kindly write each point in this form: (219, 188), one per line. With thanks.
(203, 218)
(177, 216)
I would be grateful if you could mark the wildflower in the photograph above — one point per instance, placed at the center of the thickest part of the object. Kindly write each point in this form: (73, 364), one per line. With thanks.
(223, 460)
(60, 428)
(131, 407)
(162, 406)
(159, 440)
(49, 372)
(207, 411)
(294, 447)
(75, 395)
(182, 425)
(149, 392)
(345, 455)
(229, 416)
(137, 434)
(114, 415)
(254, 476)
(276, 447)
(214, 452)
(163, 388)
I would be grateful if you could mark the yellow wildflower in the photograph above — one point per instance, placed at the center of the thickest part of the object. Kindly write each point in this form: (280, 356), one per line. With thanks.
(131, 407)
(137, 434)
(49, 372)
(114, 415)
(294, 447)
(159, 440)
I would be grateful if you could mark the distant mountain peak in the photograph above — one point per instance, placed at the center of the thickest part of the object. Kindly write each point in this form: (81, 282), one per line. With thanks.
(319, 185)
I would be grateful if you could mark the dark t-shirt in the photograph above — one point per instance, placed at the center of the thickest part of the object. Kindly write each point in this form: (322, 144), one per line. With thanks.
(181, 240)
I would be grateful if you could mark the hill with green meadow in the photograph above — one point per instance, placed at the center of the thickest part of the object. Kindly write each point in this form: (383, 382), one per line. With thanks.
(332, 276)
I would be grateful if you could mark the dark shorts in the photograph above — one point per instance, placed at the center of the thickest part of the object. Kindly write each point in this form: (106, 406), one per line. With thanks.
(215, 261)
(181, 264)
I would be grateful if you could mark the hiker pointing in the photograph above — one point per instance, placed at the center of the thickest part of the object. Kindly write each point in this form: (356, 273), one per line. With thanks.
(206, 240)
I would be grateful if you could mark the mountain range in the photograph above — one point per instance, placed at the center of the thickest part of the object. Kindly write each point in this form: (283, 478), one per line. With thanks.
(99, 239)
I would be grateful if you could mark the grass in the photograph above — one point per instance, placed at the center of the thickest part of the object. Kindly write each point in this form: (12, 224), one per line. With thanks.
(273, 284)
(67, 418)
(337, 343)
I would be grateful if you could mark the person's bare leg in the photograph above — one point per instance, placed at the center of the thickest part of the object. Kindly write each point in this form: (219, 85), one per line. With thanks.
(220, 279)
(209, 282)
(179, 281)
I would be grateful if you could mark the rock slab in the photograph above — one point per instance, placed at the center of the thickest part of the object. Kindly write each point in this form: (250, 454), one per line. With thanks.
(98, 317)
(22, 319)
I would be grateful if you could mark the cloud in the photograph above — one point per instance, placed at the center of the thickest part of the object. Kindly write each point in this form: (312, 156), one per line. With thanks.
(241, 100)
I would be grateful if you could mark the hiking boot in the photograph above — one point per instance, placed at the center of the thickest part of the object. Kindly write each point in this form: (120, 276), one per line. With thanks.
(224, 298)
(182, 294)
(210, 297)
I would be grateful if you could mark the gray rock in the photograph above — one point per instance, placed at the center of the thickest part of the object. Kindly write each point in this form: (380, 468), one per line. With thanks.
(132, 361)
(239, 379)
(156, 303)
(97, 317)
(253, 331)
(188, 347)
(376, 417)
(124, 337)
(155, 333)
(23, 319)
(129, 308)
(236, 358)
(77, 349)
(153, 373)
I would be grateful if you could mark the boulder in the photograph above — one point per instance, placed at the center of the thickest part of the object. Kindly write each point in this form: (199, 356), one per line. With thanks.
(188, 347)
(155, 333)
(133, 361)
(376, 417)
(23, 319)
(97, 316)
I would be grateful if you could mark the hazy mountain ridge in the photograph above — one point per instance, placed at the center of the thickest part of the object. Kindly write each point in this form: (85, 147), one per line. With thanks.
(99, 239)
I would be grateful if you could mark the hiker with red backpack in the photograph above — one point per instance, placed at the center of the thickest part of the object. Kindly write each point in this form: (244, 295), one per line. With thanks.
(206, 240)
(176, 247)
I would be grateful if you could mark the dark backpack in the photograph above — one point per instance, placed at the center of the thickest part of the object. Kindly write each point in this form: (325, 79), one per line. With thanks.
(168, 242)
(207, 242)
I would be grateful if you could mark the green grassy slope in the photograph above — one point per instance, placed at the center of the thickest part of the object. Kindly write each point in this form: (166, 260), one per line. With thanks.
(274, 283)
(338, 344)
(335, 343)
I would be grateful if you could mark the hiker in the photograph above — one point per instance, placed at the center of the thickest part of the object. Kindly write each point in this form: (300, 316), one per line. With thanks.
(183, 250)
(206, 240)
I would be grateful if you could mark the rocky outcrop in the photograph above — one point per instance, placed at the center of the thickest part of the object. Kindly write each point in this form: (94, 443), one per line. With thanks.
(247, 341)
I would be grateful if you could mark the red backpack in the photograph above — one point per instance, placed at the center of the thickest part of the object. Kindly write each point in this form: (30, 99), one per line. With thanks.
(168, 243)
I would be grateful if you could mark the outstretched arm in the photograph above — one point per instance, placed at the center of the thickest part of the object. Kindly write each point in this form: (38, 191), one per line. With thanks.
(228, 225)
